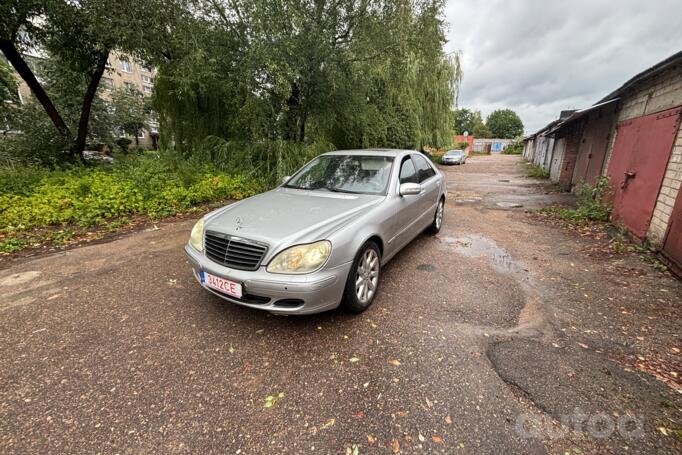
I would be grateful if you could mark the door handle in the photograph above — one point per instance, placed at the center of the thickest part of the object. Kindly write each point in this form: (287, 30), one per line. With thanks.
(628, 176)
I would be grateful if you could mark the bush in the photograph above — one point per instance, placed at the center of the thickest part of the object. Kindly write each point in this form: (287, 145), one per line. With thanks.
(537, 172)
(88, 196)
(593, 204)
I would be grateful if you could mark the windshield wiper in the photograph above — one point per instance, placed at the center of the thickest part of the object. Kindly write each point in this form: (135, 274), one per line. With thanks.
(340, 190)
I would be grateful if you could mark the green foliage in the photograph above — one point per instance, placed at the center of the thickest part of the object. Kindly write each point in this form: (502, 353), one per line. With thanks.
(131, 111)
(515, 148)
(593, 202)
(357, 74)
(79, 35)
(135, 185)
(478, 127)
(460, 145)
(537, 172)
(8, 93)
(464, 121)
(504, 124)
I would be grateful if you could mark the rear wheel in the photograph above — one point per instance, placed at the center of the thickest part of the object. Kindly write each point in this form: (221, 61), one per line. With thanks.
(437, 218)
(363, 279)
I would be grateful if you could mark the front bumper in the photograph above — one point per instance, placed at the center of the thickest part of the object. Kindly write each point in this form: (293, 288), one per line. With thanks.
(281, 294)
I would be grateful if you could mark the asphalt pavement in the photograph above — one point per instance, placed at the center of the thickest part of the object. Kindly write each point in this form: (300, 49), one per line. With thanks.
(482, 339)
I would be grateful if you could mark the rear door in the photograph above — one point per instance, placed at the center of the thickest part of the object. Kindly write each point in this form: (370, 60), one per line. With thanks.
(638, 162)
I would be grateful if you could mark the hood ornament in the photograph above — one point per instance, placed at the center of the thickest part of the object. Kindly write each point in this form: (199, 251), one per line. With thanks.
(238, 223)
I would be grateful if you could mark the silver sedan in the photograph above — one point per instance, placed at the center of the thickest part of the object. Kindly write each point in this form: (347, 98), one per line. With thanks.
(322, 237)
(454, 157)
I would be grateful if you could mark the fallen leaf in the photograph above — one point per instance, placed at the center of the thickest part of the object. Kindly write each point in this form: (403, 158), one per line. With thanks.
(437, 439)
(675, 350)
(584, 346)
(260, 331)
(401, 413)
(328, 424)
(359, 415)
(353, 359)
(270, 400)
(371, 439)
(448, 420)
(395, 363)
(663, 430)
(365, 385)
(231, 349)
(421, 437)
(395, 445)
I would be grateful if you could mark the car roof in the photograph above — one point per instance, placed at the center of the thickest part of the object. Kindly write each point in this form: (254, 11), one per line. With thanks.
(372, 152)
(455, 150)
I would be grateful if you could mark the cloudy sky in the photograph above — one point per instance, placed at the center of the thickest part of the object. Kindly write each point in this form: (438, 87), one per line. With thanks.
(541, 56)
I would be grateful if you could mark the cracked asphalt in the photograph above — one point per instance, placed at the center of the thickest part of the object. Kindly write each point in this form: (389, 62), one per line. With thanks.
(483, 339)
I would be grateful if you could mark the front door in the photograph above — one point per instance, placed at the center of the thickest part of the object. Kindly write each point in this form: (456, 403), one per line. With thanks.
(638, 162)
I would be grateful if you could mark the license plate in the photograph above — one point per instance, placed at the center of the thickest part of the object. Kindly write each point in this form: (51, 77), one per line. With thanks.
(221, 284)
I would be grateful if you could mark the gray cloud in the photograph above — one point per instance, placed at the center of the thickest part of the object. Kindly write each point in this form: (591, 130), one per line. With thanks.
(541, 56)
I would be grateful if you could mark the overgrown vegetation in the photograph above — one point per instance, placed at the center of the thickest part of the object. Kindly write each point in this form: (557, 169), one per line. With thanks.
(246, 92)
(593, 203)
(34, 197)
(537, 171)
(515, 148)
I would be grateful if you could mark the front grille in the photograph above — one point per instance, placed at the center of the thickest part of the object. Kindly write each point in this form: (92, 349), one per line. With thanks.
(234, 252)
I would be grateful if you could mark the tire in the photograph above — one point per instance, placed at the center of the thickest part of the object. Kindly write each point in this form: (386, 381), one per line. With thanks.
(352, 294)
(437, 218)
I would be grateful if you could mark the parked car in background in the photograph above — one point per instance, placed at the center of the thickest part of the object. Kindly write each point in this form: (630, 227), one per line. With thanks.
(454, 157)
(322, 237)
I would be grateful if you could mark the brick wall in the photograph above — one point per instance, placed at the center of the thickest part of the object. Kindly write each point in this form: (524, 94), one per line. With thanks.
(659, 93)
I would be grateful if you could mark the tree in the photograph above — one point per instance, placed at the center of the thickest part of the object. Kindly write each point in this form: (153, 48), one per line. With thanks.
(131, 111)
(463, 121)
(479, 129)
(81, 34)
(504, 124)
(358, 73)
(8, 95)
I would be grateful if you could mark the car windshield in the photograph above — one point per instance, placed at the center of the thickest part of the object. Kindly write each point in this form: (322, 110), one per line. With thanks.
(345, 174)
(454, 153)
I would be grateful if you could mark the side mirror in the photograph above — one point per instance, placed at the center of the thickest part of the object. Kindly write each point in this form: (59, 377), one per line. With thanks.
(285, 179)
(410, 189)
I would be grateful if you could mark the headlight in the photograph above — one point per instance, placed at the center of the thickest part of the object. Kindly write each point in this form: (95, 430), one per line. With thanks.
(196, 237)
(301, 258)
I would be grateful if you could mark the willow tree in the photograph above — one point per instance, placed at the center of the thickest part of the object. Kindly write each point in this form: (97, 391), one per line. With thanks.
(356, 72)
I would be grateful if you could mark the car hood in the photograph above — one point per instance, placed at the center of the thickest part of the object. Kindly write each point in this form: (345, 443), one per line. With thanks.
(286, 216)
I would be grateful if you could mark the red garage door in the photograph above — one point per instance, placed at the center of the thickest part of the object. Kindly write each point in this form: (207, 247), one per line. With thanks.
(638, 162)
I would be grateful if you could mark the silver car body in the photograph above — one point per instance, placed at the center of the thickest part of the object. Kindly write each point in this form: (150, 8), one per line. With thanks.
(284, 217)
(454, 157)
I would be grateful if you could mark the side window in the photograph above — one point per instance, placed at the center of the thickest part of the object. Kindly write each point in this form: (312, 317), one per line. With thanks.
(408, 173)
(424, 169)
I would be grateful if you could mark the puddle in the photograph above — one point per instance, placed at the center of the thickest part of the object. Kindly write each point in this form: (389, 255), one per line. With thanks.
(426, 267)
(477, 246)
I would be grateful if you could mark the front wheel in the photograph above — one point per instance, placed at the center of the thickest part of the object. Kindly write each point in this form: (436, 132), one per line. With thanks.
(437, 218)
(363, 279)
